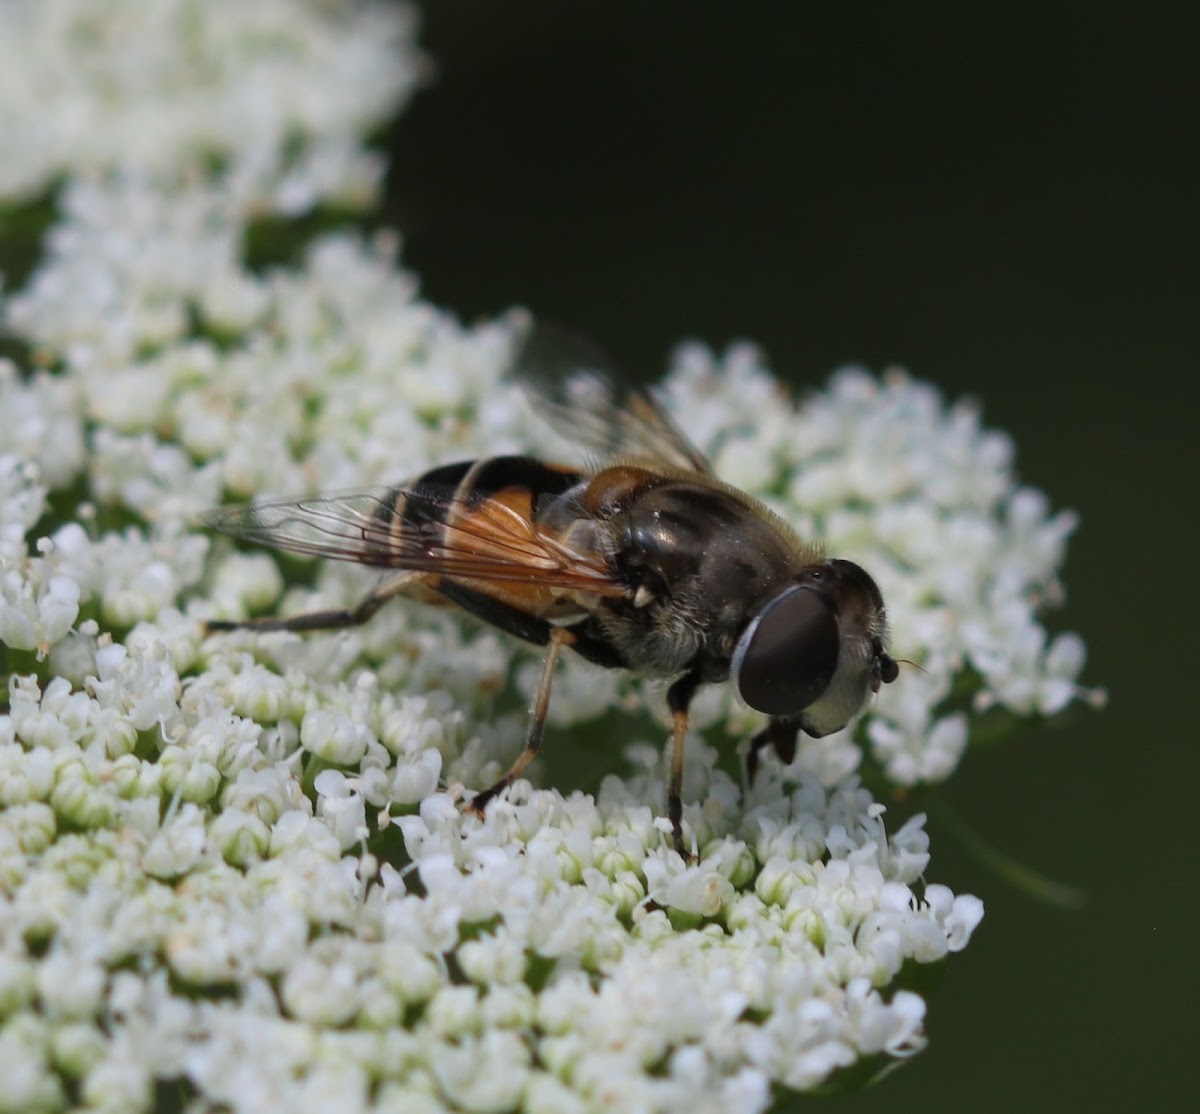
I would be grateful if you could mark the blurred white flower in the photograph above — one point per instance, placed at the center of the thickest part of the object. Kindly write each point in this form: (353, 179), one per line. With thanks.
(279, 92)
(41, 435)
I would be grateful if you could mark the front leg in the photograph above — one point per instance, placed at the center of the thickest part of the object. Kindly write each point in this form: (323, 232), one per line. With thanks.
(779, 734)
(679, 698)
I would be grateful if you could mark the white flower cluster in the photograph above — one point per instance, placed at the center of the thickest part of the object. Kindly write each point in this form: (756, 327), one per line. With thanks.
(237, 864)
(558, 956)
(277, 94)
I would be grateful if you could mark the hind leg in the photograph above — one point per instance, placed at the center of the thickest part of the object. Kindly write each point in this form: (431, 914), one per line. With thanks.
(412, 584)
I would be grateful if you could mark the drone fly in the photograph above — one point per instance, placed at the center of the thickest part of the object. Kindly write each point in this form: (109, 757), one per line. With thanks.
(644, 561)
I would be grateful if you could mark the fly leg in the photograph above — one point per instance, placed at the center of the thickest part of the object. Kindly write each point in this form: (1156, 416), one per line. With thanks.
(679, 698)
(537, 721)
(405, 584)
(780, 735)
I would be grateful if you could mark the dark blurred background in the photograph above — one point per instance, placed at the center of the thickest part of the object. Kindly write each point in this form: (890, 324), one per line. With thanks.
(1003, 199)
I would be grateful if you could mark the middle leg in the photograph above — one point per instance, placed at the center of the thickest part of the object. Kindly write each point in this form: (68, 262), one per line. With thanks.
(679, 699)
(537, 723)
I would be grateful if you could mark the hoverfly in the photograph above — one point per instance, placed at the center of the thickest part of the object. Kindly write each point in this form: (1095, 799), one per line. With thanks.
(645, 561)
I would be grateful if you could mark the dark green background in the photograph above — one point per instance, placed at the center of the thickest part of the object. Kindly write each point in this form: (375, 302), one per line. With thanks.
(1002, 199)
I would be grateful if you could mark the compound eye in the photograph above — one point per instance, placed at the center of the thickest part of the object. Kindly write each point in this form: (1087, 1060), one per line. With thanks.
(788, 654)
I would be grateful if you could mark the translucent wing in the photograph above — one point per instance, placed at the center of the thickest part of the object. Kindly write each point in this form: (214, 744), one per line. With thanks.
(576, 390)
(424, 528)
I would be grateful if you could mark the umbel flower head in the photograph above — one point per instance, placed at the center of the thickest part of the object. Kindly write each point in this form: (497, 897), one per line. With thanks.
(254, 841)
(237, 864)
